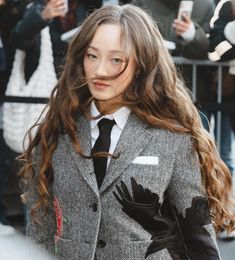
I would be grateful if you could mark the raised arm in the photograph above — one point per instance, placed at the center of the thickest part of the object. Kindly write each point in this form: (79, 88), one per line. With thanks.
(26, 32)
(193, 41)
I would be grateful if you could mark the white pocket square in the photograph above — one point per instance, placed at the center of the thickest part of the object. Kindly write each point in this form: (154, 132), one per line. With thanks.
(151, 160)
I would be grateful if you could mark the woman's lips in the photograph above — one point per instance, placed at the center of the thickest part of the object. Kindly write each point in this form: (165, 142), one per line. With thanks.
(100, 85)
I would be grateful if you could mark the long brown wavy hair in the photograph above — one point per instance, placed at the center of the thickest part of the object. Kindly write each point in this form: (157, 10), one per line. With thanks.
(157, 96)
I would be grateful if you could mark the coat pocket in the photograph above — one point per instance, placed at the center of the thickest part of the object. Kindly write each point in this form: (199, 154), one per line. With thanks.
(130, 250)
(138, 249)
(68, 249)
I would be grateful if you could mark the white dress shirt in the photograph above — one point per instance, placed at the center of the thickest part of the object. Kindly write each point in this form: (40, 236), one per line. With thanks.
(120, 117)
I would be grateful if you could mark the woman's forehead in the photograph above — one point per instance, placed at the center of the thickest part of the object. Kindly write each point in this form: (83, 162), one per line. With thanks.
(107, 35)
(113, 38)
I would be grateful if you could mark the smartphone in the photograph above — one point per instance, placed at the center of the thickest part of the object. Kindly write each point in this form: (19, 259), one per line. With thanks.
(66, 6)
(185, 7)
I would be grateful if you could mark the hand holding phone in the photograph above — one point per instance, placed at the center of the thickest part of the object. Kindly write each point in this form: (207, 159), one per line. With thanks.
(183, 21)
(54, 8)
(185, 8)
(182, 25)
(2, 2)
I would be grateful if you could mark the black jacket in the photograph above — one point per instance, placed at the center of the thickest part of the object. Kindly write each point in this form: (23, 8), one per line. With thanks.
(26, 36)
(217, 33)
(10, 14)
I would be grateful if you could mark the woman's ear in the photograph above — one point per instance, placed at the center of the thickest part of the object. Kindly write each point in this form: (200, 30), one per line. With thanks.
(137, 73)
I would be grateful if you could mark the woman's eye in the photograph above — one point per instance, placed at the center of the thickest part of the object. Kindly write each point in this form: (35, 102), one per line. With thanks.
(116, 61)
(91, 56)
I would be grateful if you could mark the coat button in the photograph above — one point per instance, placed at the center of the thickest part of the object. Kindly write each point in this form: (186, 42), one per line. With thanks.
(94, 207)
(101, 244)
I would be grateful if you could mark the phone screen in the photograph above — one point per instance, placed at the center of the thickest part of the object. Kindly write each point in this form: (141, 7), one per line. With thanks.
(185, 7)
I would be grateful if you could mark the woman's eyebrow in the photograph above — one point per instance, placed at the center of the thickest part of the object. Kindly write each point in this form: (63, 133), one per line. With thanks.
(111, 51)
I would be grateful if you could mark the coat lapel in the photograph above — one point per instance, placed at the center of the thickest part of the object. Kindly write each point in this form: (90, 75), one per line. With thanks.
(135, 136)
(85, 166)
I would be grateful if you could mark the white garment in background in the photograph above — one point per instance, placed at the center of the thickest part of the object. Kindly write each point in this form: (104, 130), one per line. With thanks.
(110, 2)
(19, 117)
(14, 246)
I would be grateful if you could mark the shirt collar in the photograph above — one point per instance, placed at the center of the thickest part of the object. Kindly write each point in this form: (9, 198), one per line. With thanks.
(120, 116)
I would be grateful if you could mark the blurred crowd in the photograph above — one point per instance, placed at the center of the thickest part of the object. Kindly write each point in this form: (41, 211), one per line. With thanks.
(200, 30)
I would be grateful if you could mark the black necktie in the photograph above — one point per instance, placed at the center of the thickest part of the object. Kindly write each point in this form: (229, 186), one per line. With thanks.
(102, 144)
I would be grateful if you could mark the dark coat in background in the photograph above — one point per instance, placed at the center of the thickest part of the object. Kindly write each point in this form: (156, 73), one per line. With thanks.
(222, 17)
(221, 49)
(10, 14)
(164, 12)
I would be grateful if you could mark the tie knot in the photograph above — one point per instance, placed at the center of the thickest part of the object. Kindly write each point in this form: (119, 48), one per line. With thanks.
(105, 125)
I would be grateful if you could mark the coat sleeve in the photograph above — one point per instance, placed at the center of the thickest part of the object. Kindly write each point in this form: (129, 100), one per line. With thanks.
(2, 16)
(198, 47)
(41, 233)
(26, 33)
(190, 205)
(220, 47)
(139, 3)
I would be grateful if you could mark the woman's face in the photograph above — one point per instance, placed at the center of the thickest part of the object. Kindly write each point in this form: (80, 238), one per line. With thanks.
(105, 58)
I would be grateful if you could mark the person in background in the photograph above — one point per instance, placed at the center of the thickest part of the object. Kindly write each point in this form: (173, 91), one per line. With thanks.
(2, 67)
(11, 11)
(191, 38)
(222, 33)
(218, 51)
(26, 34)
(121, 166)
(189, 35)
(222, 48)
(2, 56)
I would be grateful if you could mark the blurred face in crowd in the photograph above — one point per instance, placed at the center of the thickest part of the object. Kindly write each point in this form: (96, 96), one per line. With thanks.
(106, 67)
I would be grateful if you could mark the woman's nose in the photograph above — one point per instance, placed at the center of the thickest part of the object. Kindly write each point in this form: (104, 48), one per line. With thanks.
(102, 69)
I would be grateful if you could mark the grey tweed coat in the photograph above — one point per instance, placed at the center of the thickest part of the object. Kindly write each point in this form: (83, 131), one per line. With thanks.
(150, 205)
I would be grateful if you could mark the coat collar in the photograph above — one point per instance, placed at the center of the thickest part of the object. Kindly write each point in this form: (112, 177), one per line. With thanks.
(134, 132)
(85, 166)
(133, 140)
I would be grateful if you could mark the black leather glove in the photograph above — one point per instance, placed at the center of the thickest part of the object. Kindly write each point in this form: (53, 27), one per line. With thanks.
(198, 240)
(144, 207)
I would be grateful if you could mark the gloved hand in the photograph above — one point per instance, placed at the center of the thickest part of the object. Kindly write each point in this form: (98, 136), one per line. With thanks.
(198, 240)
(145, 208)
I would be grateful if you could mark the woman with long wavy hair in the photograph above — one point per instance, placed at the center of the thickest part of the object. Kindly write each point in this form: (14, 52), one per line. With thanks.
(121, 167)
